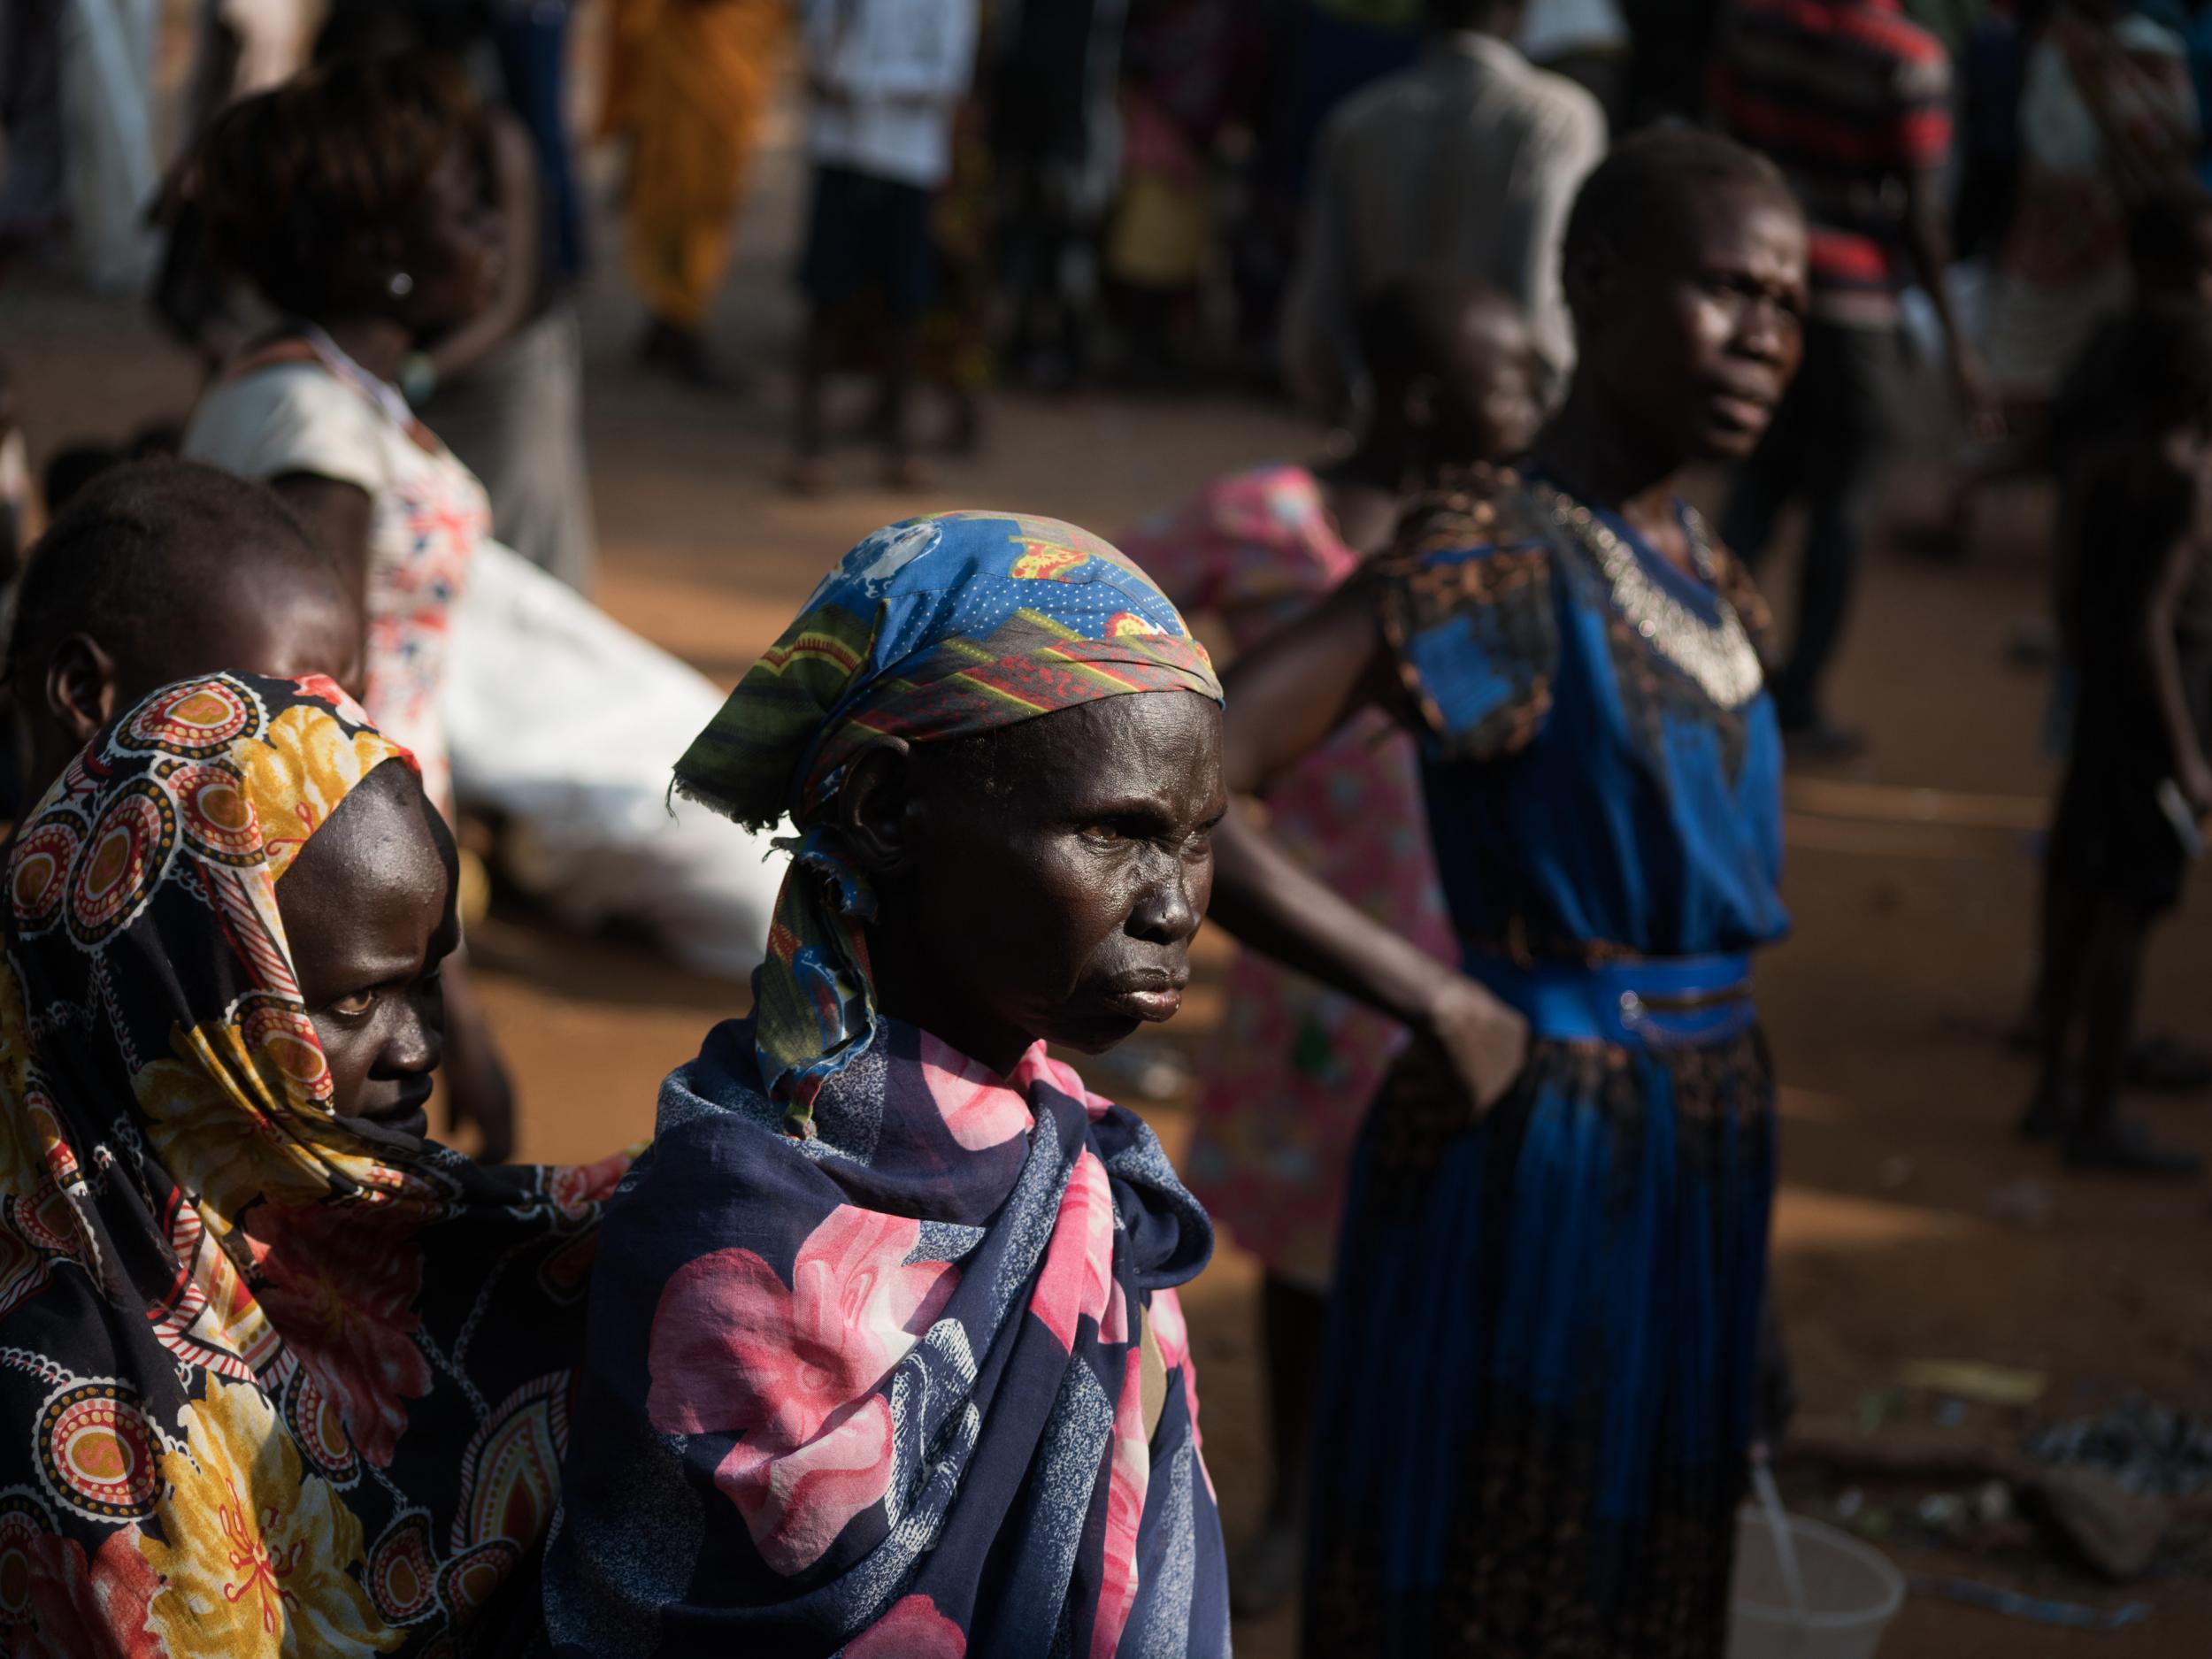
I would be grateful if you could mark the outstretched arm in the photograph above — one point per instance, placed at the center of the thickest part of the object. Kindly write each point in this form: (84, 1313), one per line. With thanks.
(1286, 697)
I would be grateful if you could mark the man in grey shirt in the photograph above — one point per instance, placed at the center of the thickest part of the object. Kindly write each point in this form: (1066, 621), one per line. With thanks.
(1468, 161)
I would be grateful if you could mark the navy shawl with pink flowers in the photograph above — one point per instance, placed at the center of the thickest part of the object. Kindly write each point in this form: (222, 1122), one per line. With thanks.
(884, 1391)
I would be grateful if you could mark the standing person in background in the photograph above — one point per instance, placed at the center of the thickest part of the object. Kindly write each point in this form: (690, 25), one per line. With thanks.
(688, 84)
(1307, 56)
(532, 40)
(1292, 1069)
(31, 203)
(1179, 73)
(1538, 1391)
(1853, 102)
(505, 390)
(1468, 162)
(2107, 120)
(2169, 253)
(886, 78)
(107, 107)
(1992, 66)
(1055, 72)
(2133, 439)
(957, 354)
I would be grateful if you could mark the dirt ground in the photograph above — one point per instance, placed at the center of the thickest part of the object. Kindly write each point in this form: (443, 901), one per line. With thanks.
(1912, 1225)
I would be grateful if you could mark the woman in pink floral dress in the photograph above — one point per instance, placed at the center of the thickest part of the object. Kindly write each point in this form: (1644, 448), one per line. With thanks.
(1287, 1075)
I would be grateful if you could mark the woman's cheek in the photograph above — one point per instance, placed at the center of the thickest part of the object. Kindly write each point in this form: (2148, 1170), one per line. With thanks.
(1199, 883)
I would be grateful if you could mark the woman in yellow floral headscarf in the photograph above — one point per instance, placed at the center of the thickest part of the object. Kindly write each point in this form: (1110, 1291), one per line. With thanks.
(287, 1377)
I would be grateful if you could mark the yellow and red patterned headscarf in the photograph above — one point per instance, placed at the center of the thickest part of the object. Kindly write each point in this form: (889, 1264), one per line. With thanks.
(288, 1382)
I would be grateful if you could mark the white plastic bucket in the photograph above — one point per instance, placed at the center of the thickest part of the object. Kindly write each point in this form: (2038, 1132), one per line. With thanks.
(1849, 1593)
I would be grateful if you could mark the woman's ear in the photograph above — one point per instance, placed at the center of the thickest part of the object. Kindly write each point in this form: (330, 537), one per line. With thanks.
(878, 807)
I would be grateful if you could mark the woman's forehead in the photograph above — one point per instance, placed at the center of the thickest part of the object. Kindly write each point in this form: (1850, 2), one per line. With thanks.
(1142, 745)
(1737, 225)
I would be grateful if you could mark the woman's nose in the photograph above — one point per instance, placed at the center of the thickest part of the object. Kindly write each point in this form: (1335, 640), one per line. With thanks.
(1765, 325)
(1167, 914)
(419, 1045)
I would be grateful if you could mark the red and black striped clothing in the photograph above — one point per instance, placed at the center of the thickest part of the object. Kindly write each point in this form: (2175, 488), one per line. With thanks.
(1850, 98)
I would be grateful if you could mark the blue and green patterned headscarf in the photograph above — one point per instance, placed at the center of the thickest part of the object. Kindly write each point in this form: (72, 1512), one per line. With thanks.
(933, 628)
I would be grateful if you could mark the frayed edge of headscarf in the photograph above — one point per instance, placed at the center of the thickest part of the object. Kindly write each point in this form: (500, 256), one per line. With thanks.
(722, 806)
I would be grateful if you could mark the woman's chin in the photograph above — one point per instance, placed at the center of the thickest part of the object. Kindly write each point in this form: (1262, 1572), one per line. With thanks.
(1094, 1034)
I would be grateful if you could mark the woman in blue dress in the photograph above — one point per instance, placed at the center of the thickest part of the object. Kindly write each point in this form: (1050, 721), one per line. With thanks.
(1534, 1426)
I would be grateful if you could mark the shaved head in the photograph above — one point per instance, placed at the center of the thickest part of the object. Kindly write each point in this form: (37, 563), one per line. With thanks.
(158, 570)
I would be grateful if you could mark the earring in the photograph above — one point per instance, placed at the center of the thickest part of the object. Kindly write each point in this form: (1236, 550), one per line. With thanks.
(401, 285)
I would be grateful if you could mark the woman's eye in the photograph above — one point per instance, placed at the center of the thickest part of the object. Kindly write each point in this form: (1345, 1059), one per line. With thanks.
(1102, 835)
(353, 1006)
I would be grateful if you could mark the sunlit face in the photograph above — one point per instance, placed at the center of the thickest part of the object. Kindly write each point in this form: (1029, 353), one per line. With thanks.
(369, 913)
(1694, 338)
(1065, 902)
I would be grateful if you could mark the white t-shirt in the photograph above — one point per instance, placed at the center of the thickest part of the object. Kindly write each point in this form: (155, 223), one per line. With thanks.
(903, 66)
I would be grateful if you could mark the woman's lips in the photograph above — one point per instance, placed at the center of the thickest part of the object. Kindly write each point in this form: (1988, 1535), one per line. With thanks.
(1149, 1000)
(1744, 414)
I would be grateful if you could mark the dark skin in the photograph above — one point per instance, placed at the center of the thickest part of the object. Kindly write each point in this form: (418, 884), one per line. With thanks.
(272, 617)
(1685, 355)
(1073, 897)
(368, 909)
(1481, 401)
(1478, 399)
(2095, 942)
(451, 246)
(1687, 345)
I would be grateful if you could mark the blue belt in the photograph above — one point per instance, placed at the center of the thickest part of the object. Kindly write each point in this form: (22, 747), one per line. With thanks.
(1667, 1003)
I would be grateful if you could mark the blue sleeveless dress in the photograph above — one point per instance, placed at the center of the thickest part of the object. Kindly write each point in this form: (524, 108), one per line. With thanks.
(1532, 1432)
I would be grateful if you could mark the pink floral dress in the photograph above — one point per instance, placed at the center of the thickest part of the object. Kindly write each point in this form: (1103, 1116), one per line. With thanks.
(1289, 1073)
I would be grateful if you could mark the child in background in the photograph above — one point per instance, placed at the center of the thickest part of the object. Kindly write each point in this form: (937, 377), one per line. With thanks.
(2135, 618)
(1289, 1073)
(886, 78)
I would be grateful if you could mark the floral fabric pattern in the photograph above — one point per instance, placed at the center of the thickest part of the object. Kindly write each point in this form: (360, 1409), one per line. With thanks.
(291, 1383)
(887, 1384)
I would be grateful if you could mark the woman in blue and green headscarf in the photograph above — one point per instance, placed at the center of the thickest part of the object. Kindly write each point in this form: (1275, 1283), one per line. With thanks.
(885, 1357)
